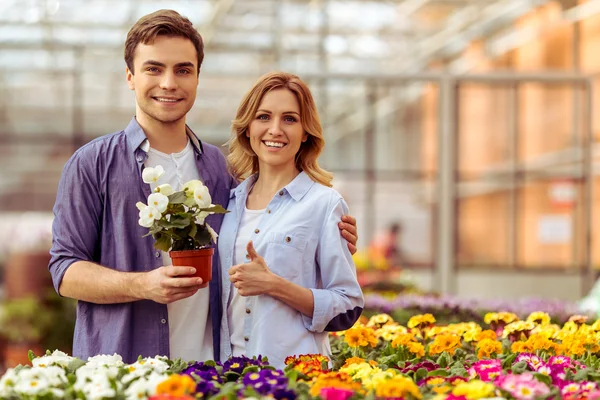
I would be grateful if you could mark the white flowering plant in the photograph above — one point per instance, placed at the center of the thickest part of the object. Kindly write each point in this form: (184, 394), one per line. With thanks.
(177, 219)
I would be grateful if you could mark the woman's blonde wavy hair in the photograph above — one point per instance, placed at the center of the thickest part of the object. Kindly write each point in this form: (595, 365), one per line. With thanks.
(242, 160)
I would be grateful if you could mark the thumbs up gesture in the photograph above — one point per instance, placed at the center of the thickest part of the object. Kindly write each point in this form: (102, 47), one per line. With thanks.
(252, 278)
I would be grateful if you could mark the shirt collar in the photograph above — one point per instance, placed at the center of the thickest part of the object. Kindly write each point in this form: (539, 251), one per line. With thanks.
(297, 188)
(136, 137)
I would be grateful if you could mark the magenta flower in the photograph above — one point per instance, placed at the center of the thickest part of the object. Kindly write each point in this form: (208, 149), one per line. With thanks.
(522, 387)
(487, 370)
(533, 361)
(560, 360)
(428, 365)
(335, 394)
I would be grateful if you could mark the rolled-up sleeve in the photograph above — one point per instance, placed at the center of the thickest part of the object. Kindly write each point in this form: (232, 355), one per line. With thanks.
(77, 213)
(339, 303)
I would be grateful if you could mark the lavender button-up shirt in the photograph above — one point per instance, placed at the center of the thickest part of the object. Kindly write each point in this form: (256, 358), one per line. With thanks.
(96, 220)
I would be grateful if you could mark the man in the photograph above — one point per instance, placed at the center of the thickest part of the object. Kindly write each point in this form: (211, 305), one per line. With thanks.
(131, 300)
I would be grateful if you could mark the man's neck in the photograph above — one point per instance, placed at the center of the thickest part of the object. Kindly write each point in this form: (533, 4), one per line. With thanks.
(167, 138)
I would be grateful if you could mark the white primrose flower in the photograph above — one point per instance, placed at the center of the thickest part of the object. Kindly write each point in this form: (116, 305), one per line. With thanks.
(148, 215)
(31, 382)
(201, 217)
(8, 382)
(191, 186)
(140, 206)
(158, 201)
(152, 175)
(214, 235)
(97, 387)
(105, 359)
(56, 358)
(165, 189)
(157, 363)
(54, 375)
(145, 386)
(202, 197)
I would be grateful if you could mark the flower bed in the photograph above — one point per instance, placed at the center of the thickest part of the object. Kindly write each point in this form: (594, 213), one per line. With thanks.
(506, 358)
(450, 309)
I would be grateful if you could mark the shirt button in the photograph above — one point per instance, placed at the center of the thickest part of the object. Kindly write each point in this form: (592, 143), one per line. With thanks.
(163, 321)
(140, 158)
(288, 239)
(246, 338)
(248, 256)
(247, 311)
(157, 254)
(256, 230)
(269, 211)
(281, 193)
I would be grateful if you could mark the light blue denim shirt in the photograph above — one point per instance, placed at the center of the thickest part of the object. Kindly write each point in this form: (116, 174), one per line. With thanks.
(299, 238)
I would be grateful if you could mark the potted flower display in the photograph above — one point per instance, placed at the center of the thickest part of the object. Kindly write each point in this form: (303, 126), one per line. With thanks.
(177, 221)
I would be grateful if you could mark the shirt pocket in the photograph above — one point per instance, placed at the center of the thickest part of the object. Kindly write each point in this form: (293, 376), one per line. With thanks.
(285, 253)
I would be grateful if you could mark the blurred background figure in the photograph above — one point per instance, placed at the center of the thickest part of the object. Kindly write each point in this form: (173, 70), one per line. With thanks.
(471, 124)
(387, 246)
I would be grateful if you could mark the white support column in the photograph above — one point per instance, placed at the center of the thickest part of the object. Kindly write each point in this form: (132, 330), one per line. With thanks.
(446, 188)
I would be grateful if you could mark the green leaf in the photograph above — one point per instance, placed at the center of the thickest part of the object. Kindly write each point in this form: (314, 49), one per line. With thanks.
(519, 367)
(179, 220)
(74, 365)
(163, 242)
(31, 355)
(231, 376)
(509, 360)
(543, 378)
(459, 370)
(177, 197)
(420, 374)
(249, 369)
(438, 372)
(216, 208)
(444, 360)
(203, 237)
(581, 375)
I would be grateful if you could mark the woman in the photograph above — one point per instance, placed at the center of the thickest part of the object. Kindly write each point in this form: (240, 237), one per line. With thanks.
(288, 276)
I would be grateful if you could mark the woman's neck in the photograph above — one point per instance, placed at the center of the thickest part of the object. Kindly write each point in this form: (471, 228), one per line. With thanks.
(270, 181)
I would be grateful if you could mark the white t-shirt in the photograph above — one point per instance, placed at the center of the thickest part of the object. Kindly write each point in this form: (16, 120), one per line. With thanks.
(190, 328)
(236, 310)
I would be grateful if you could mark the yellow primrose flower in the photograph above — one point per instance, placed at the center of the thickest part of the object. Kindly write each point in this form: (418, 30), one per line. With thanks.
(578, 319)
(474, 390)
(488, 347)
(521, 347)
(517, 327)
(360, 336)
(445, 342)
(539, 318)
(358, 370)
(377, 377)
(596, 325)
(432, 331)
(421, 320)
(177, 386)
(379, 320)
(398, 387)
(548, 331)
(353, 360)
(338, 380)
(441, 390)
(505, 317)
(403, 339)
(416, 348)
(388, 332)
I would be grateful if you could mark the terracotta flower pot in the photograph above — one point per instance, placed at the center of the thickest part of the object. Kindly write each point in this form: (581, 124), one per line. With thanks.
(199, 259)
(17, 353)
